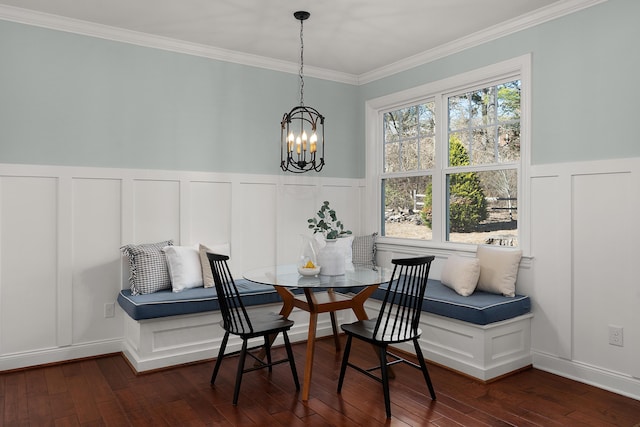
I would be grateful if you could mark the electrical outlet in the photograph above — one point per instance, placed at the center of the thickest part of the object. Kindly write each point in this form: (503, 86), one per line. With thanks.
(615, 335)
(110, 309)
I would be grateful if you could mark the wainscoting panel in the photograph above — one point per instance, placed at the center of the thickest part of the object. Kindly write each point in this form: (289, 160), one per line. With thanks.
(551, 248)
(296, 204)
(28, 263)
(258, 216)
(605, 233)
(96, 228)
(156, 214)
(210, 213)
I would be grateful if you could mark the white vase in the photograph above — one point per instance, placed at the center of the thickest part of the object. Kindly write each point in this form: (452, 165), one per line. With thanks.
(331, 259)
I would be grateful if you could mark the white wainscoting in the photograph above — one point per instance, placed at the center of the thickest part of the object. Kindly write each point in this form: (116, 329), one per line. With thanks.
(61, 229)
(582, 274)
(585, 237)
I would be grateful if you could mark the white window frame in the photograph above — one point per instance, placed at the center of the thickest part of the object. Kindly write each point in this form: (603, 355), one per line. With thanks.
(518, 68)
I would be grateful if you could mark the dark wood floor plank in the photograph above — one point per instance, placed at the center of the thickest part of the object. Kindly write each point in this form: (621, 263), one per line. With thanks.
(113, 414)
(180, 413)
(81, 392)
(106, 392)
(137, 409)
(55, 380)
(15, 399)
(69, 421)
(112, 370)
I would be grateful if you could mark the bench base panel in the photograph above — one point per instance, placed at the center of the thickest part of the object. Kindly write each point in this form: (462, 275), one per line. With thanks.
(484, 352)
(168, 341)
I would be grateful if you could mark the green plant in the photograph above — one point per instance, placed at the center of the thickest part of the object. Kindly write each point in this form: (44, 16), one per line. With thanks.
(467, 203)
(327, 223)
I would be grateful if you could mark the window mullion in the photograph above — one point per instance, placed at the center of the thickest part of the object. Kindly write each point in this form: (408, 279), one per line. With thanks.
(439, 208)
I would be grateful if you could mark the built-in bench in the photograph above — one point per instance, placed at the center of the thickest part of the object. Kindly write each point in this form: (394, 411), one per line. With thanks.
(484, 335)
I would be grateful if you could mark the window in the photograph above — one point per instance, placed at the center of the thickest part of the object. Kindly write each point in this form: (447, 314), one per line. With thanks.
(451, 160)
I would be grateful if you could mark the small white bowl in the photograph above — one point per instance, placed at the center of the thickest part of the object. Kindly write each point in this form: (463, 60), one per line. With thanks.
(309, 271)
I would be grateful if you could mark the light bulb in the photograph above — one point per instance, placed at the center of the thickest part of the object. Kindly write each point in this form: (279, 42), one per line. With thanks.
(290, 142)
(313, 141)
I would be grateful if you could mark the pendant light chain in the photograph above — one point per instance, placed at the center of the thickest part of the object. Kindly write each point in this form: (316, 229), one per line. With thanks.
(301, 64)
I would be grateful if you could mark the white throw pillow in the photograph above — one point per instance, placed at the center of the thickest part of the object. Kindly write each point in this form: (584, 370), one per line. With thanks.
(461, 274)
(207, 275)
(498, 269)
(184, 267)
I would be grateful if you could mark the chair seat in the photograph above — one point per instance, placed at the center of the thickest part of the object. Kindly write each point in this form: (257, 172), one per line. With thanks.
(265, 323)
(364, 329)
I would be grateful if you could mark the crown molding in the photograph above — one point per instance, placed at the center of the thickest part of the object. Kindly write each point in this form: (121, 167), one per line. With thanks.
(523, 22)
(91, 29)
(55, 22)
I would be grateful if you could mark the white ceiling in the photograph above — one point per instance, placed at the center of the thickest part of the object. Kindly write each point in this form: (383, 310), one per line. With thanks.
(352, 37)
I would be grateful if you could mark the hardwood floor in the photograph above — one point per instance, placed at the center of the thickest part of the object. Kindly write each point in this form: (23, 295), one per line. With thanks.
(105, 392)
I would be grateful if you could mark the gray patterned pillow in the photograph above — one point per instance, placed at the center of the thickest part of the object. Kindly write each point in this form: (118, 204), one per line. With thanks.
(364, 249)
(148, 267)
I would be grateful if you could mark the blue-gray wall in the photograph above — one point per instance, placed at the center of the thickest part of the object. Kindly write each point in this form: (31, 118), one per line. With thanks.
(67, 99)
(585, 81)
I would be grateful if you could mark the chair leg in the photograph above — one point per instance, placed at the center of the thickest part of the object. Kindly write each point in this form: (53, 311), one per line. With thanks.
(267, 350)
(334, 326)
(292, 362)
(345, 360)
(385, 380)
(223, 346)
(243, 355)
(423, 365)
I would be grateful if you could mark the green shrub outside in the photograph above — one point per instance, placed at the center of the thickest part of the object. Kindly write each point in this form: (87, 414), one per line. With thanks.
(467, 204)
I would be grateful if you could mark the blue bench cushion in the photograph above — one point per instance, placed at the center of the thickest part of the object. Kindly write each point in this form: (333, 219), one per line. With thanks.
(480, 308)
(167, 303)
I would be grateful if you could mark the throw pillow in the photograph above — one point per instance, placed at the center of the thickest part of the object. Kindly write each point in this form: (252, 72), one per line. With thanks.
(207, 275)
(147, 267)
(498, 269)
(461, 274)
(364, 249)
(184, 266)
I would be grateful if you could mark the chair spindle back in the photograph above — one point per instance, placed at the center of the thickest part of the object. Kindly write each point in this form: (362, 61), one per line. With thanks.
(399, 315)
(234, 314)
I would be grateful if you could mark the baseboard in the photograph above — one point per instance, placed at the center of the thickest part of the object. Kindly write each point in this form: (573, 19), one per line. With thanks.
(588, 374)
(61, 354)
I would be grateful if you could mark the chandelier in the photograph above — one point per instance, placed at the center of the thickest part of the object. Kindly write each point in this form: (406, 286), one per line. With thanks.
(302, 128)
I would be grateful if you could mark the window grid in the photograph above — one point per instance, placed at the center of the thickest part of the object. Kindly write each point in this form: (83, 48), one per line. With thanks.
(501, 130)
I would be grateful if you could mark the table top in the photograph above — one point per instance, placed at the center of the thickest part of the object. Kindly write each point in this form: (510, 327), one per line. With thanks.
(287, 275)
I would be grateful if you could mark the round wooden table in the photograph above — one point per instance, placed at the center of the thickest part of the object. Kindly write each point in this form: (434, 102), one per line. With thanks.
(286, 277)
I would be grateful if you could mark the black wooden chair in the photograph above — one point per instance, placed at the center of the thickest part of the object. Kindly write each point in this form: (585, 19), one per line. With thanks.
(236, 321)
(397, 322)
